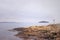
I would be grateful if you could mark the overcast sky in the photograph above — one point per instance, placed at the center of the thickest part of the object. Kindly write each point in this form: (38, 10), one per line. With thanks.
(29, 10)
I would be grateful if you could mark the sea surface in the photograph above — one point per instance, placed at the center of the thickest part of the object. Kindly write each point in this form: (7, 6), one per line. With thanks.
(7, 35)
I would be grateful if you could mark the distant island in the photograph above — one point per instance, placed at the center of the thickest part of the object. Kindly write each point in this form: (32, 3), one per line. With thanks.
(7, 22)
(43, 22)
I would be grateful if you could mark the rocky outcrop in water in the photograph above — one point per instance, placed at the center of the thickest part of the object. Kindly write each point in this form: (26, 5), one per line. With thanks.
(49, 32)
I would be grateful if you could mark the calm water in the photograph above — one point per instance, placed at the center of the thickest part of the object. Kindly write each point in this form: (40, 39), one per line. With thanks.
(7, 35)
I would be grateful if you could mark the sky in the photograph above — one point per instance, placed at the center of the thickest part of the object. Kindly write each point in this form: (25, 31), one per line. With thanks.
(29, 10)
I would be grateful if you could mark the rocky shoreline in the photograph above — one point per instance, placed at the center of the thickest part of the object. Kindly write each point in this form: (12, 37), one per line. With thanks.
(49, 32)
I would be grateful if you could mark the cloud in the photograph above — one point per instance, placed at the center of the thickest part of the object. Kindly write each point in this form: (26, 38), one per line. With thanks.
(14, 10)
